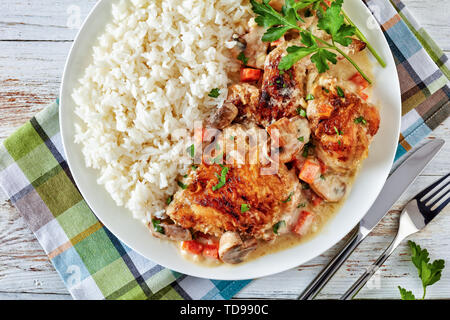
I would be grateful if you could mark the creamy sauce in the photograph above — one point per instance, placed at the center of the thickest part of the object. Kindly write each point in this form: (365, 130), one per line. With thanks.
(343, 70)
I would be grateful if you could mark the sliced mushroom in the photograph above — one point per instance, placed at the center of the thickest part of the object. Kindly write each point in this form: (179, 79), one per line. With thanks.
(172, 232)
(232, 249)
(329, 187)
(224, 116)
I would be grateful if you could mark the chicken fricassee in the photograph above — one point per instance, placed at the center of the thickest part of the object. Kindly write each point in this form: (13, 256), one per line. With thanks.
(292, 134)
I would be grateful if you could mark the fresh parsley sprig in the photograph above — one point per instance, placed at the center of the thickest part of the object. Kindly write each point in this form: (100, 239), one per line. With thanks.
(429, 273)
(277, 23)
(320, 4)
(331, 21)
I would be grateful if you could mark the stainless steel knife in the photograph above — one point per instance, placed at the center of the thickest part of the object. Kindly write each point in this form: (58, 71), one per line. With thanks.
(394, 187)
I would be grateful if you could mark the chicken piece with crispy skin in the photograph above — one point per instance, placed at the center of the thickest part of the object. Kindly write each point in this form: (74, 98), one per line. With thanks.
(248, 202)
(282, 93)
(342, 128)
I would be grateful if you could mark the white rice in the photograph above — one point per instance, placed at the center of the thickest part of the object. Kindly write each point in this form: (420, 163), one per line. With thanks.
(148, 82)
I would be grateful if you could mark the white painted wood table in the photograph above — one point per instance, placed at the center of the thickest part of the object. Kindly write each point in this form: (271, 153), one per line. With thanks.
(35, 37)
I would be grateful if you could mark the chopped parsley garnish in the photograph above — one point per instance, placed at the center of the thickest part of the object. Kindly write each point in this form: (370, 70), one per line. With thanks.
(306, 149)
(289, 198)
(322, 177)
(157, 226)
(301, 205)
(277, 226)
(338, 132)
(361, 120)
(301, 139)
(301, 112)
(340, 92)
(214, 93)
(245, 207)
(242, 58)
(339, 142)
(326, 90)
(194, 167)
(222, 178)
(191, 150)
(232, 138)
(305, 186)
(169, 200)
(310, 97)
(182, 185)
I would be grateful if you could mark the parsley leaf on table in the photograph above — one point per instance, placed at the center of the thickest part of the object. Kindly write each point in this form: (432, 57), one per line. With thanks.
(429, 273)
(406, 295)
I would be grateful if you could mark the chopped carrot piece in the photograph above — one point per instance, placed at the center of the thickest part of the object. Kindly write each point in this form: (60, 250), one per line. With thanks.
(304, 222)
(249, 75)
(358, 79)
(363, 96)
(192, 246)
(324, 111)
(211, 250)
(309, 172)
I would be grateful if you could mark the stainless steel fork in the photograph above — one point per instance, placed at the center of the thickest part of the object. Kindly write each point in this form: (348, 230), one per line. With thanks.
(417, 213)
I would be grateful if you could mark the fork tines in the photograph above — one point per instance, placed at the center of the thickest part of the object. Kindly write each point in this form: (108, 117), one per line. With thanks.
(434, 193)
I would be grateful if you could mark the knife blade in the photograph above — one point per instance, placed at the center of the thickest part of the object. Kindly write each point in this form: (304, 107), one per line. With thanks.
(398, 182)
(395, 186)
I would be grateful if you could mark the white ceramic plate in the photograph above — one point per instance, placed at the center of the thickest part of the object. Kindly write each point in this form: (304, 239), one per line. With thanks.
(135, 234)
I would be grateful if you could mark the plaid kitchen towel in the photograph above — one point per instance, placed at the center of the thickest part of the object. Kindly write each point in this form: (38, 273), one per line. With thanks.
(94, 264)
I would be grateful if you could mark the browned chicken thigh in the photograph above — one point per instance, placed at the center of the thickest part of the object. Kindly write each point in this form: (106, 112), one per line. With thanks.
(342, 128)
(247, 202)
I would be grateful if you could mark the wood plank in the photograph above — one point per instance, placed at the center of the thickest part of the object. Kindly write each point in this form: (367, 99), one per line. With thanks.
(433, 16)
(45, 20)
(34, 296)
(30, 77)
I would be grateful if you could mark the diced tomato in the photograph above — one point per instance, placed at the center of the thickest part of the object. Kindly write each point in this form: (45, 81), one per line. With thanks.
(192, 246)
(358, 79)
(316, 200)
(304, 222)
(249, 75)
(310, 171)
(324, 111)
(363, 96)
(211, 250)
